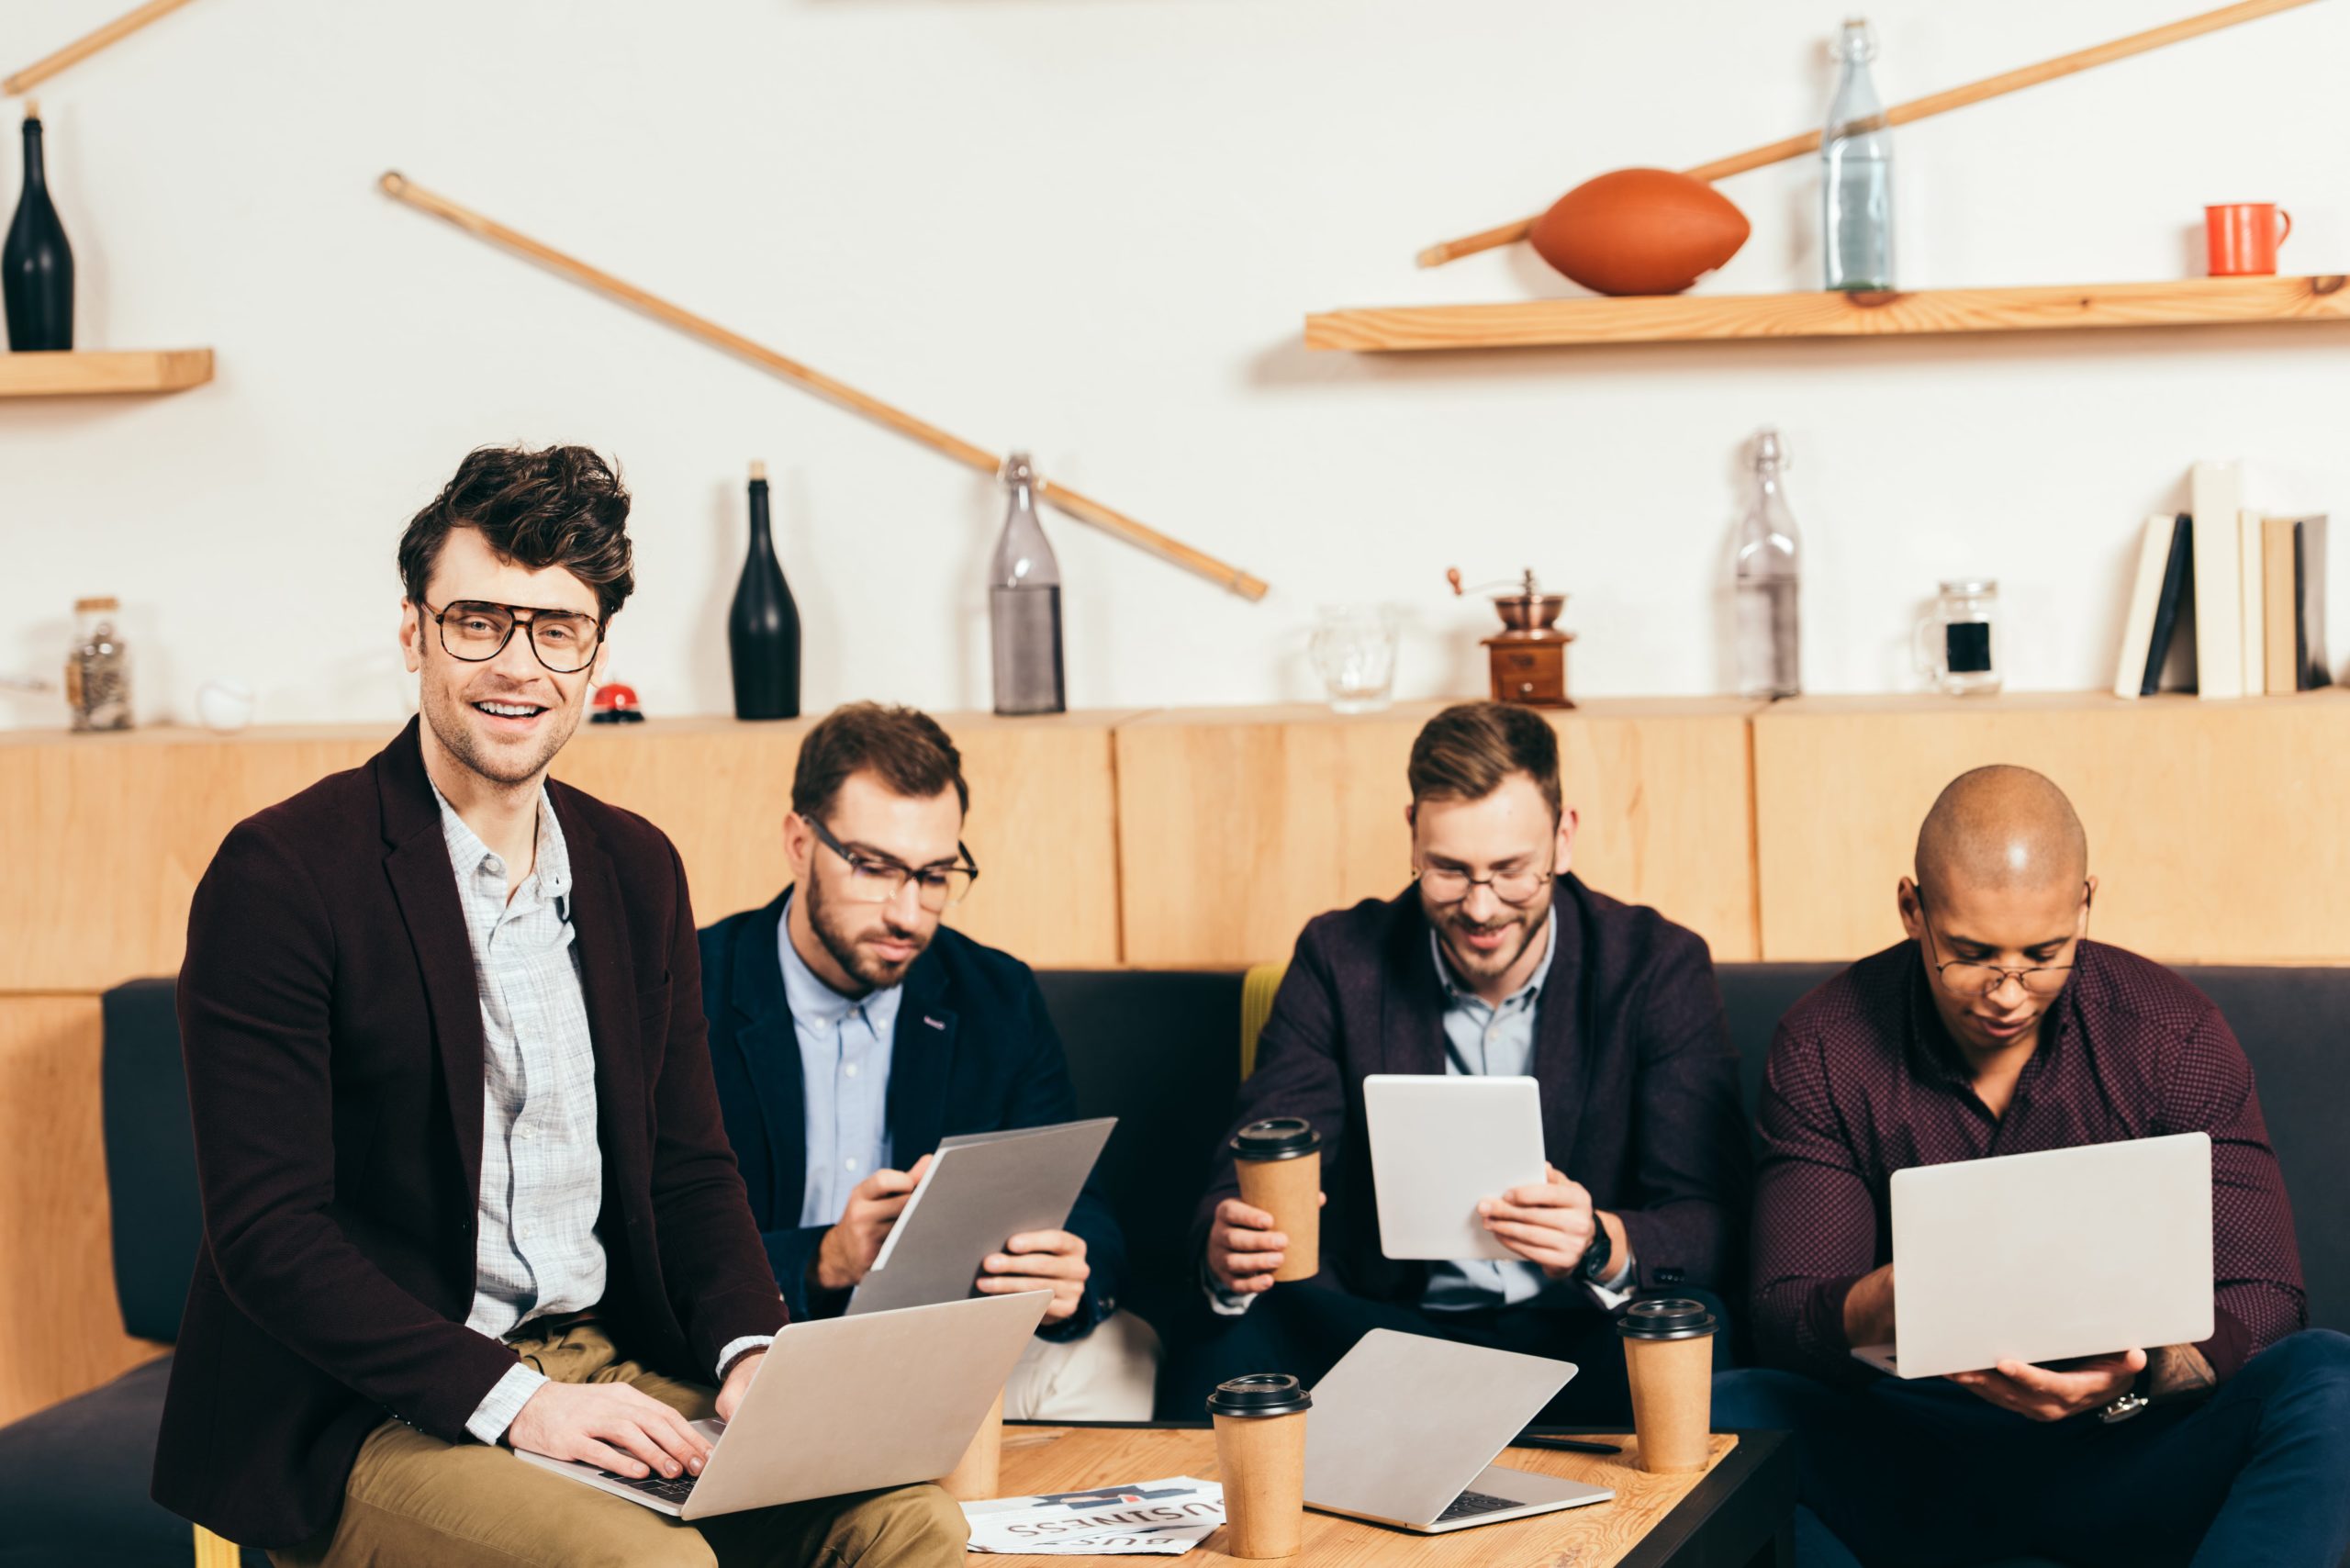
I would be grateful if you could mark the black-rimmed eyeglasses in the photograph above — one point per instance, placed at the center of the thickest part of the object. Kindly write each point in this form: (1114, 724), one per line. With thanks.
(875, 879)
(564, 640)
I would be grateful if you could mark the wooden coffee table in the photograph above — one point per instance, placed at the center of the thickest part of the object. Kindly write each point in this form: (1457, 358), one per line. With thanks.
(1738, 1513)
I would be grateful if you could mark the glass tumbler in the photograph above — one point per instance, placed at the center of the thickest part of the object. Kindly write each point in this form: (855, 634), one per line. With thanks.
(1958, 644)
(1354, 653)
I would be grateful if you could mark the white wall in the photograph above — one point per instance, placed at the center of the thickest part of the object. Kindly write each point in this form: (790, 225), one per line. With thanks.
(1092, 226)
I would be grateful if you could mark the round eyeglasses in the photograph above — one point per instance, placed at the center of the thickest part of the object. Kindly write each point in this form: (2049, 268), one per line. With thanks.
(565, 641)
(1449, 884)
(1965, 977)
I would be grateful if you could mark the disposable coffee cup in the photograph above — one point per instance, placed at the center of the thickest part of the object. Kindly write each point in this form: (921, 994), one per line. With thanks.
(1669, 1356)
(1260, 1454)
(974, 1477)
(1279, 1161)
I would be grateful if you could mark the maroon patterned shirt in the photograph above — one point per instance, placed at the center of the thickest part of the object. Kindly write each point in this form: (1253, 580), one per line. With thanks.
(1864, 1081)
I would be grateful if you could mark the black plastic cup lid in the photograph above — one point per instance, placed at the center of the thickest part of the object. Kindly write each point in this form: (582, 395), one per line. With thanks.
(1666, 1317)
(1277, 1138)
(1260, 1394)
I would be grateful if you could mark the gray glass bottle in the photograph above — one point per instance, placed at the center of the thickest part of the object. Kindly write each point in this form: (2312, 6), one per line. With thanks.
(1764, 578)
(1025, 604)
(1856, 172)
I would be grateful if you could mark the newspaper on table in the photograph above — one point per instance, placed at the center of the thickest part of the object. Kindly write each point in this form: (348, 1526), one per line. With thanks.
(1168, 1515)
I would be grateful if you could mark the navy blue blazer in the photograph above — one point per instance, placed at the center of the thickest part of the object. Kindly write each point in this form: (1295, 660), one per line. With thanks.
(974, 1051)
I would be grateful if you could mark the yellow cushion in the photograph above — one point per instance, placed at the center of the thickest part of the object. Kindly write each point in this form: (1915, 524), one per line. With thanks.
(1257, 989)
(211, 1551)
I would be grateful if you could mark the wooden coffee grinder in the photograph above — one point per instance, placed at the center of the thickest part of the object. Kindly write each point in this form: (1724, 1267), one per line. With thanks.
(1529, 653)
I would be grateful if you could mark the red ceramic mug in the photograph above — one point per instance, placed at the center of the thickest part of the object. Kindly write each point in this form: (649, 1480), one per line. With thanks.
(2244, 237)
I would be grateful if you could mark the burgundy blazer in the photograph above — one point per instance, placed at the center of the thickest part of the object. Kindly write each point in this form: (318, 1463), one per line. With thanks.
(332, 1035)
(1639, 1081)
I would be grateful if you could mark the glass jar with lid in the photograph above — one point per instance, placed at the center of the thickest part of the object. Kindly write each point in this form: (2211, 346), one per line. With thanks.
(97, 670)
(1957, 643)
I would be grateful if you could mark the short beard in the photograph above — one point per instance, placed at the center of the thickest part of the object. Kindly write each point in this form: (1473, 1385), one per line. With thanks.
(456, 738)
(867, 971)
(1477, 965)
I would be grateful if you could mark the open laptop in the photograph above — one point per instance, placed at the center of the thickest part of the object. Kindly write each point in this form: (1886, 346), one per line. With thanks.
(1406, 1429)
(846, 1405)
(2040, 1258)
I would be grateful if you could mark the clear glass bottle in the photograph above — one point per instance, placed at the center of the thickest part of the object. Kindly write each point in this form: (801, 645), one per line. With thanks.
(1025, 604)
(1856, 172)
(1764, 578)
(97, 670)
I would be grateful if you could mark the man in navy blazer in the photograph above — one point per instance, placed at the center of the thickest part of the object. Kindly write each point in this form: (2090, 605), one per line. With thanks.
(1498, 962)
(850, 1031)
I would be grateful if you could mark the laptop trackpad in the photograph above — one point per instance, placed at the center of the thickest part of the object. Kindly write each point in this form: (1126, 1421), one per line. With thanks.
(1530, 1489)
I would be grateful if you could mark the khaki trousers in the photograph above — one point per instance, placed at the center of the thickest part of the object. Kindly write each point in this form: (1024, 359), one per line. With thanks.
(415, 1500)
(1112, 1375)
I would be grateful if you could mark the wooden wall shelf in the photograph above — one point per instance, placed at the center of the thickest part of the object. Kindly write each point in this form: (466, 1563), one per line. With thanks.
(1685, 317)
(108, 374)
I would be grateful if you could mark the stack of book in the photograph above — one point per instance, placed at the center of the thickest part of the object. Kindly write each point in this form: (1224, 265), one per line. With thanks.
(2251, 586)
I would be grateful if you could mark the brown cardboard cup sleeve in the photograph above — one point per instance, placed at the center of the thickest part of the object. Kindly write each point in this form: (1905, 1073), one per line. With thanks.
(1279, 1165)
(1669, 1357)
(1260, 1457)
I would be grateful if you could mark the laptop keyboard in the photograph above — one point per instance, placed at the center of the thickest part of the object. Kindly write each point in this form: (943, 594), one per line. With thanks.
(661, 1487)
(1469, 1504)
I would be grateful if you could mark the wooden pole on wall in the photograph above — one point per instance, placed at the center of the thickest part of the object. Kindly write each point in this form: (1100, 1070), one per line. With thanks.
(81, 49)
(1083, 507)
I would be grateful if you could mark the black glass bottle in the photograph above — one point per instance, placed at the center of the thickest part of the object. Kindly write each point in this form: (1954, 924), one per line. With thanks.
(37, 265)
(763, 631)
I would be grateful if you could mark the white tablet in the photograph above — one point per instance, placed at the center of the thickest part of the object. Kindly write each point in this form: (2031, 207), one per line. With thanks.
(1439, 1147)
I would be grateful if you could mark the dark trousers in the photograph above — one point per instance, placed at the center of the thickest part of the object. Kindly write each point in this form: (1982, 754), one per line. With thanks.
(1305, 1328)
(1924, 1474)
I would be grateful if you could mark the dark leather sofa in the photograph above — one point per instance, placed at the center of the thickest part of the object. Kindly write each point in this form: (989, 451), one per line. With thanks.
(1157, 1049)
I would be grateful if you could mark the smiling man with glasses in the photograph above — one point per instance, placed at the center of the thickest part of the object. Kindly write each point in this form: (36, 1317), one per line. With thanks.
(851, 1030)
(466, 1184)
(1997, 1028)
(1497, 960)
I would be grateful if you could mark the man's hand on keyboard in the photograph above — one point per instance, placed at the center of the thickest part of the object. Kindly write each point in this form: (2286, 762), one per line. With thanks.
(611, 1425)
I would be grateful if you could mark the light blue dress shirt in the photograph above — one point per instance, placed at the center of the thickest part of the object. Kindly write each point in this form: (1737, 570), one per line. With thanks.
(1488, 1041)
(844, 1048)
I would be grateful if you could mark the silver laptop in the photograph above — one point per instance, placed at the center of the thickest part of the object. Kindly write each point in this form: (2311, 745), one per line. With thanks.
(1406, 1429)
(2041, 1258)
(846, 1405)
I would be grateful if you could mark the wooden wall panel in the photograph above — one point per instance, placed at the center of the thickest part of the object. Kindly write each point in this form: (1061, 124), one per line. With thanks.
(2217, 829)
(104, 838)
(1239, 825)
(1043, 824)
(59, 1330)
(106, 835)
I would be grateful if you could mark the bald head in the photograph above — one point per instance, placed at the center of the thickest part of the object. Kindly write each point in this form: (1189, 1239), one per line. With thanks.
(2002, 829)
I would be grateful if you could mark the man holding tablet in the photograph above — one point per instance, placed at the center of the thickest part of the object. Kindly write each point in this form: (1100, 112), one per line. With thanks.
(850, 1030)
(1998, 1028)
(1498, 962)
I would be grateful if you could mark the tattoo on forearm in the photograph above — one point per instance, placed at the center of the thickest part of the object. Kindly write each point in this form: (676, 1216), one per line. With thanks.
(2181, 1370)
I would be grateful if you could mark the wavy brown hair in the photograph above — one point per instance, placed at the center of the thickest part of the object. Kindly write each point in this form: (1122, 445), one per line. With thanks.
(1466, 751)
(905, 746)
(557, 506)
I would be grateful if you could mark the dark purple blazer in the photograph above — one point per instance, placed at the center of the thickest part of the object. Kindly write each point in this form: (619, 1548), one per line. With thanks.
(1640, 1083)
(333, 1033)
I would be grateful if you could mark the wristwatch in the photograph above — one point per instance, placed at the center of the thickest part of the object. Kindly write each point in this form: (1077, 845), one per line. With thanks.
(2133, 1403)
(1593, 1270)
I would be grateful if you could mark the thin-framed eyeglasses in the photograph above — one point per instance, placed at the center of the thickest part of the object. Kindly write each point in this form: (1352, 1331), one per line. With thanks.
(1965, 976)
(565, 641)
(1450, 884)
(875, 879)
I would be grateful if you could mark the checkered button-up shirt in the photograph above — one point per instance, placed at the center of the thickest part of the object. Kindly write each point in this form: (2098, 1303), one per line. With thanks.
(1864, 1081)
(542, 1171)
